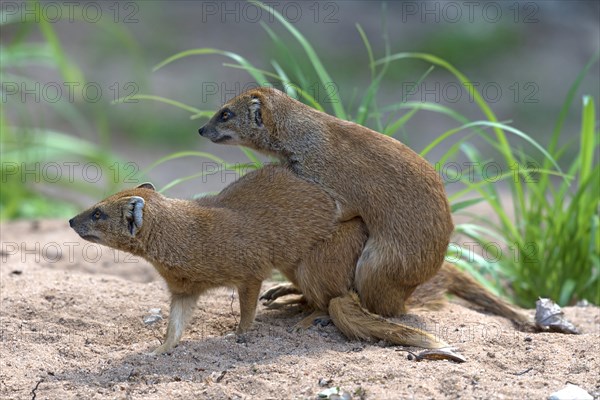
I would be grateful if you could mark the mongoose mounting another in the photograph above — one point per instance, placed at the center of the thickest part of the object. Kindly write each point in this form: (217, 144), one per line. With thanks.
(267, 219)
(396, 192)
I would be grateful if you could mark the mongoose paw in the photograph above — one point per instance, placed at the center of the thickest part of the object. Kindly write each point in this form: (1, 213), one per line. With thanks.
(293, 300)
(279, 291)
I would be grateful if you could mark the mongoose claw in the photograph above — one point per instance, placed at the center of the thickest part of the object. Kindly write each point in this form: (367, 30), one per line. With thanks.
(279, 291)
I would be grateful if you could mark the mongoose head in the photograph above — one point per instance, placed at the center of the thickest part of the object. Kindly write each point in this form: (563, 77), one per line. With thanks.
(116, 220)
(250, 119)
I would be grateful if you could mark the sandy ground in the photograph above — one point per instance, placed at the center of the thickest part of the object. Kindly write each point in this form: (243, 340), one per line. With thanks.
(72, 327)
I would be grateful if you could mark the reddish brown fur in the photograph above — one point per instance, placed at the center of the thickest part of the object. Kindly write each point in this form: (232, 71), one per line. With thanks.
(396, 192)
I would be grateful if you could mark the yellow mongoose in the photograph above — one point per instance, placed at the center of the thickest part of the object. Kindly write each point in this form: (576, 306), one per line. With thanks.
(397, 193)
(267, 219)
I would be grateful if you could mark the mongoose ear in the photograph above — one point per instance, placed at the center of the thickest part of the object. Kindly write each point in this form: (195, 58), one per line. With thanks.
(134, 213)
(146, 185)
(255, 111)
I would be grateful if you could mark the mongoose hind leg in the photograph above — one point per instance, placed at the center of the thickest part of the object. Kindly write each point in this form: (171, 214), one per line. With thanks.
(357, 323)
(380, 293)
(328, 270)
(383, 289)
(182, 307)
(280, 290)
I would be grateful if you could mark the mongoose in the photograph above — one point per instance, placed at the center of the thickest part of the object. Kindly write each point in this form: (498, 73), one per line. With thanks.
(397, 193)
(267, 219)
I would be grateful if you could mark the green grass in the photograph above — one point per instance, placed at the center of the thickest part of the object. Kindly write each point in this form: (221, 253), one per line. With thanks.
(552, 245)
(28, 146)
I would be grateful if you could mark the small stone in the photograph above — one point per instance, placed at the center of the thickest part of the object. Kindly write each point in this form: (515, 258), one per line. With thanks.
(583, 303)
(570, 392)
(491, 355)
(528, 339)
(217, 376)
(335, 393)
(324, 382)
(548, 315)
(153, 317)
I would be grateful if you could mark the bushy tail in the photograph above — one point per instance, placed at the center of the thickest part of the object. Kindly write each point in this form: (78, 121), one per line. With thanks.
(454, 281)
(357, 323)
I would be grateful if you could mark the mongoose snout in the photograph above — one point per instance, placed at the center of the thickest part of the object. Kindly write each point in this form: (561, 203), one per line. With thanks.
(218, 131)
(214, 136)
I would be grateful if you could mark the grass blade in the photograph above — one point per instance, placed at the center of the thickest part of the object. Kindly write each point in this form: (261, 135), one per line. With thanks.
(588, 146)
(390, 130)
(464, 204)
(67, 69)
(258, 77)
(312, 56)
(161, 99)
(251, 156)
(367, 44)
(182, 154)
(311, 100)
(290, 56)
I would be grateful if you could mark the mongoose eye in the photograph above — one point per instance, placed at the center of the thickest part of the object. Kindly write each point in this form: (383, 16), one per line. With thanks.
(97, 214)
(225, 115)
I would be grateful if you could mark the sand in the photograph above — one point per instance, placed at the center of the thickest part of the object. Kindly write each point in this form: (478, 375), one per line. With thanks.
(72, 313)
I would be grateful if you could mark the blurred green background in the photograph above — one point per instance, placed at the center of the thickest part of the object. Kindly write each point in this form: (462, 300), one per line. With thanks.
(86, 113)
